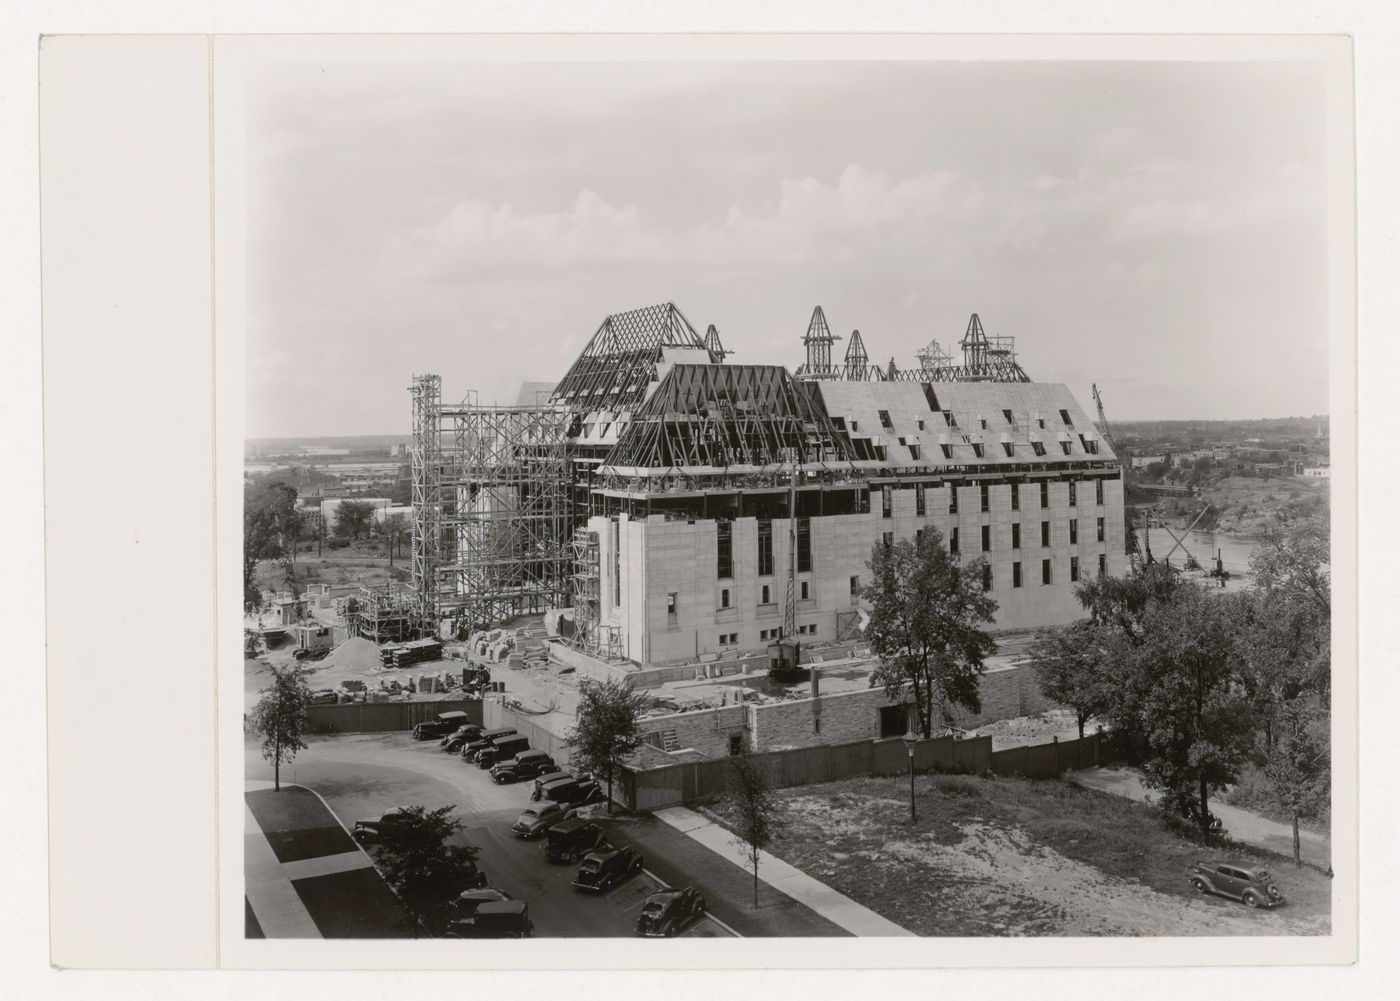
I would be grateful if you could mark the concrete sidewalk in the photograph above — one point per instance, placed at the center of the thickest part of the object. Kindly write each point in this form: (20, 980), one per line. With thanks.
(834, 907)
(1240, 825)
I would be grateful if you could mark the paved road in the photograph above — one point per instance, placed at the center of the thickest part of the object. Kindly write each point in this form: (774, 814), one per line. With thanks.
(1240, 825)
(362, 775)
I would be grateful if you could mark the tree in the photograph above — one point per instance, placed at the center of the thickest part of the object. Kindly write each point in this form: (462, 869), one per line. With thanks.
(280, 716)
(1299, 768)
(1074, 666)
(425, 868)
(607, 728)
(1185, 699)
(1122, 603)
(754, 805)
(353, 519)
(395, 529)
(927, 611)
(269, 525)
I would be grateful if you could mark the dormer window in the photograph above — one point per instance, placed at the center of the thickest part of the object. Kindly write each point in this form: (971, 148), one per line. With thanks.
(949, 419)
(977, 449)
(1039, 447)
(1064, 416)
(885, 421)
(1007, 446)
(1010, 417)
(947, 451)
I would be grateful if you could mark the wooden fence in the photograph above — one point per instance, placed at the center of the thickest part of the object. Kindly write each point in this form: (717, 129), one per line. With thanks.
(374, 717)
(645, 790)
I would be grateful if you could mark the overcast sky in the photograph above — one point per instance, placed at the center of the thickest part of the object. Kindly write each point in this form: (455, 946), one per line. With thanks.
(1159, 229)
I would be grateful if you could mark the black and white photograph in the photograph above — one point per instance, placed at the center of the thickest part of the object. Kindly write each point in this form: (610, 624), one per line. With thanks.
(767, 492)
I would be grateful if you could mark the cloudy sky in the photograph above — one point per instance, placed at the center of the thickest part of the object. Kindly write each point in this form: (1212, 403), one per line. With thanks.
(1157, 228)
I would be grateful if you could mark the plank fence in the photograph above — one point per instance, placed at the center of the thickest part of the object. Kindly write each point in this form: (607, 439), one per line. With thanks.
(645, 790)
(376, 717)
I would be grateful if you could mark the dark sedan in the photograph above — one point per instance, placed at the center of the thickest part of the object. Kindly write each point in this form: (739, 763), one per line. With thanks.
(666, 912)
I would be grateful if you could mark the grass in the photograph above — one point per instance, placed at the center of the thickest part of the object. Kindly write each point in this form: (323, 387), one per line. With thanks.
(1251, 793)
(971, 864)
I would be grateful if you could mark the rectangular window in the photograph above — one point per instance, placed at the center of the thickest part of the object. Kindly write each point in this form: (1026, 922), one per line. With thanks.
(953, 540)
(1016, 575)
(1016, 535)
(986, 576)
(982, 423)
(1044, 493)
(728, 639)
(1010, 417)
(804, 545)
(1015, 496)
(1040, 423)
(1045, 571)
(1098, 529)
(1044, 534)
(919, 499)
(921, 425)
(724, 597)
(953, 500)
(888, 539)
(804, 590)
(947, 451)
(886, 501)
(1098, 492)
(855, 424)
(1103, 564)
(855, 585)
(617, 564)
(949, 419)
(918, 536)
(1073, 493)
(1064, 447)
(885, 421)
(1038, 447)
(986, 538)
(1073, 531)
(914, 452)
(671, 608)
(977, 449)
(765, 550)
(724, 562)
(1008, 448)
(986, 497)
(763, 597)
(1064, 416)
(1074, 568)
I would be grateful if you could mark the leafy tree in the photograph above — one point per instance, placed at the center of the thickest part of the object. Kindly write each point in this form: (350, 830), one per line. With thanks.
(607, 728)
(253, 644)
(353, 519)
(747, 790)
(280, 716)
(1074, 663)
(395, 530)
(425, 868)
(1122, 603)
(1299, 768)
(927, 610)
(1183, 696)
(269, 531)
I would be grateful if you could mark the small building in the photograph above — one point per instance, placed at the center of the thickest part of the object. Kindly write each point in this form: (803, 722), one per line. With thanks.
(1318, 472)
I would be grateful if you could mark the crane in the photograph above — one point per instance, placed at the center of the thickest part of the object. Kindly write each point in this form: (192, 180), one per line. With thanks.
(1103, 421)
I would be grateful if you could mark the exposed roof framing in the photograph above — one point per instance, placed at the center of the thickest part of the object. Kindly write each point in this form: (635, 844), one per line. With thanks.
(712, 341)
(719, 416)
(619, 362)
(818, 341)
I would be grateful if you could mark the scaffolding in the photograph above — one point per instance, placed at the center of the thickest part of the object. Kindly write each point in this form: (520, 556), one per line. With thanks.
(426, 498)
(384, 613)
(508, 512)
(591, 634)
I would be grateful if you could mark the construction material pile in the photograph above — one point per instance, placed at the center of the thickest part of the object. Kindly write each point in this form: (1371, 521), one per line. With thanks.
(354, 656)
(402, 654)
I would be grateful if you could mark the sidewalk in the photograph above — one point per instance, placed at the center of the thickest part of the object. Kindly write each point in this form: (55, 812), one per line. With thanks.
(305, 877)
(1240, 825)
(834, 907)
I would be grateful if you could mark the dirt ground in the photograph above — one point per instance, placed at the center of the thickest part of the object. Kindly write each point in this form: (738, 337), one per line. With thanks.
(1016, 857)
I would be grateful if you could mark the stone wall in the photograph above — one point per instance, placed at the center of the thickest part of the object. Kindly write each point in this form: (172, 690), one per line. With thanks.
(704, 730)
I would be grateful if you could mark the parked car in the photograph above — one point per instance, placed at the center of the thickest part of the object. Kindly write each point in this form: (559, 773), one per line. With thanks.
(1251, 884)
(573, 791)
(535, 820)
(605, 867)
(525, 765)
(380, 827)
(501, 749)
(323, 697)
(484, 739)
(453, 741)
(468, 901)
(571, 840)
(495, 919)
(667, 911)
(444, 724)
(537, 792)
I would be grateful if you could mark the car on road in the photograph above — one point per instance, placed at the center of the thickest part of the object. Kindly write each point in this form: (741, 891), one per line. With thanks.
(453, 742)
(1250, 884)
(537, 792)
(571, 840)
(667, 911)
(525, 765)
(501, 749)
(605, 867)
(535, 820)
(379, 828)
(483, 740)
(495, 919)
(468, 901)
(444, 724)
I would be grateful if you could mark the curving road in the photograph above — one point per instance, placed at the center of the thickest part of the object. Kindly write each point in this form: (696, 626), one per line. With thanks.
(362, 775)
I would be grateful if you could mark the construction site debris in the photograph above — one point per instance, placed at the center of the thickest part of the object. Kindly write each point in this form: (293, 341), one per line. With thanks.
(415, 652)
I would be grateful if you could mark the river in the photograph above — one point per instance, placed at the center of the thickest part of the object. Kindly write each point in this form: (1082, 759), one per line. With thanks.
(1235, 552)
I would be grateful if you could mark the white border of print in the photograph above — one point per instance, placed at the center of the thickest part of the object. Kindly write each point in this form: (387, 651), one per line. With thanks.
(232, 56)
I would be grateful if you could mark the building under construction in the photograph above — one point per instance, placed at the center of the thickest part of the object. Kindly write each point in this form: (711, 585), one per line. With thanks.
(687, 508)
